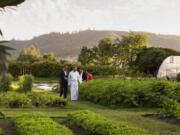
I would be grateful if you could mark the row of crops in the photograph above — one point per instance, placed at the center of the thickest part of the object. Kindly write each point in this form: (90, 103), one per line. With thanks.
(31, 99)
(90, 122)
(130, 93)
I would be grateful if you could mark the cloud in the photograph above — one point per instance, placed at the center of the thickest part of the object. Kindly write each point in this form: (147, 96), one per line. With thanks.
(35, 17)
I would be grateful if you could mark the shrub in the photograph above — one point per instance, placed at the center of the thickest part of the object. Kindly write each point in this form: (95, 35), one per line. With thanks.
(178, 77)
(46, 69)
(17, 68)
(39, 124)
(128, 93)
(43, 99)
(5, 83)
(14, 100)
(95, 124)
(170, 108)
(26, 83)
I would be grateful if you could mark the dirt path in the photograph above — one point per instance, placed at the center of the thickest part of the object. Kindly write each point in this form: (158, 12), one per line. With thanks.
(7, 127)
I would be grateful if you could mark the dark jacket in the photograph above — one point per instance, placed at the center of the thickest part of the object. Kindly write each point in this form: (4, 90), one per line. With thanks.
(84, 76)
(63, 77)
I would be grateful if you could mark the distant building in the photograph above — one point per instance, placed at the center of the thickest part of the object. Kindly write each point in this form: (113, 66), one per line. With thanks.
(170, 67)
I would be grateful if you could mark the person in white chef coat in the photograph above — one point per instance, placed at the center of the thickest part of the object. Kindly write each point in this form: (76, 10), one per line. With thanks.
(73, 81)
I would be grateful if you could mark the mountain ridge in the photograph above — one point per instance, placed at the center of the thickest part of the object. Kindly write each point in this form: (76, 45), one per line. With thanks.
(68, 45)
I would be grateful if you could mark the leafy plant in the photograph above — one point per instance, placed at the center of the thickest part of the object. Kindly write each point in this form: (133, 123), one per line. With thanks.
(171, 108)
(129, 93)
(14, 100)
(45, 99)
(6, 82)
(95, 124)
(178, 77)
(39, 124)
(26, 83)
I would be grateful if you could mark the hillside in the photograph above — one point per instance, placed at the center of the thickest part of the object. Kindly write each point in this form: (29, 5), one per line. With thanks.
(68, 45)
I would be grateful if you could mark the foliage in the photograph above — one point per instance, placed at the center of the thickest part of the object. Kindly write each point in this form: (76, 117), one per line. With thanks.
(39, 124)
(52, 68)
(14, 100)
(32, 99)
(95, 124)
(46, 99)
(5, 83)
(114, 52)
(4, 3)
(18, 68)
(3, 57)
(178, 77)
(26, 83)
(128, 93)
(170, 108)
(30, 54)
(49, 57)
(149, 59)
(46, 69)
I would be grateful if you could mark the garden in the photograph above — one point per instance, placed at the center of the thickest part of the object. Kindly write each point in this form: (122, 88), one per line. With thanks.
(125, 98)
(111, 106)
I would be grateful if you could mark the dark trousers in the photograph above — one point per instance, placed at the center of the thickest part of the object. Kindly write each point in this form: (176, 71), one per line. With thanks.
(63, 90)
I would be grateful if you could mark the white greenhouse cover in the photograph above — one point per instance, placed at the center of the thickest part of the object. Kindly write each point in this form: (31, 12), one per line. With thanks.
(170, 67)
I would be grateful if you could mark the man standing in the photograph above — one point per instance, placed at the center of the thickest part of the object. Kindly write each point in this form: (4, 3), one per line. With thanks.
(83, 75)
(73, 82)
(64, 81)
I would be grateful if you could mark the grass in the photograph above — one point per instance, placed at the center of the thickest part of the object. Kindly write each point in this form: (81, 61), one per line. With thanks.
(133, 116)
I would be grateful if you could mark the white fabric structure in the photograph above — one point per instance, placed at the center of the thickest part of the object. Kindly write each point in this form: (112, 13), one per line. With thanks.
(170, 67)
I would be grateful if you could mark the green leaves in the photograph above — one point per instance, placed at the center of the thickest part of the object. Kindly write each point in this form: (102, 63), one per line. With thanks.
(3, 57)
(129, 93)
(35, 99)
(95, 124)
(39, 124)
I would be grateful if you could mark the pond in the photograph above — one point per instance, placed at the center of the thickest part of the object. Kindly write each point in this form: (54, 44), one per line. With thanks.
(44, 86)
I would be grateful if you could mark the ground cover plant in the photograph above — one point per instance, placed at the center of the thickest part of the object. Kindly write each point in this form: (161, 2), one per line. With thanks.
(129, 93)
(38, 124)
(31, 99)
(95, 124)
(170, 108)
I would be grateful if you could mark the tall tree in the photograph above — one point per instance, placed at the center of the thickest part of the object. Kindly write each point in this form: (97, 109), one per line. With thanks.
(127, 48)
(30, 54)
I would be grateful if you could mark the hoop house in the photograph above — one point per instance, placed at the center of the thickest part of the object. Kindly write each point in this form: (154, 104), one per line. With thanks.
(170, 67)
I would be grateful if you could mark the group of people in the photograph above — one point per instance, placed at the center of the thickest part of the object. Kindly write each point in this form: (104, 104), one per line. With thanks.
(72, 79)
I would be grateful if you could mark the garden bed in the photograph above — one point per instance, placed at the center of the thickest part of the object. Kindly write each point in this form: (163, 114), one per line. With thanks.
(95, 124)
(171, 120)
(31, 99)
(129, 93)
(39, 124)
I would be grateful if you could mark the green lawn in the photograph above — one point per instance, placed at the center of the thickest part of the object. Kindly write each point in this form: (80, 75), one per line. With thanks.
(133, 116)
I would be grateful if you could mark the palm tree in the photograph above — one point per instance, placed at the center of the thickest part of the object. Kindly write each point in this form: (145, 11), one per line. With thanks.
(4, 49)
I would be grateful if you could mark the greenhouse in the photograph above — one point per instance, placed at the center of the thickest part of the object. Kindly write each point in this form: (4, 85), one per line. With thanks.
(170, 67)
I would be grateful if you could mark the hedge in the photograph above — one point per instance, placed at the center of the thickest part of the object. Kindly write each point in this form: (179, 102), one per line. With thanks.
(51, 69)
(39, 124)
(170, 108)
(94, 124)
(32, 99)
(129, 93)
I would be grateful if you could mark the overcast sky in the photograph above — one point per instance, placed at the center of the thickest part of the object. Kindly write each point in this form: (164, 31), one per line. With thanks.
(36, 17)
